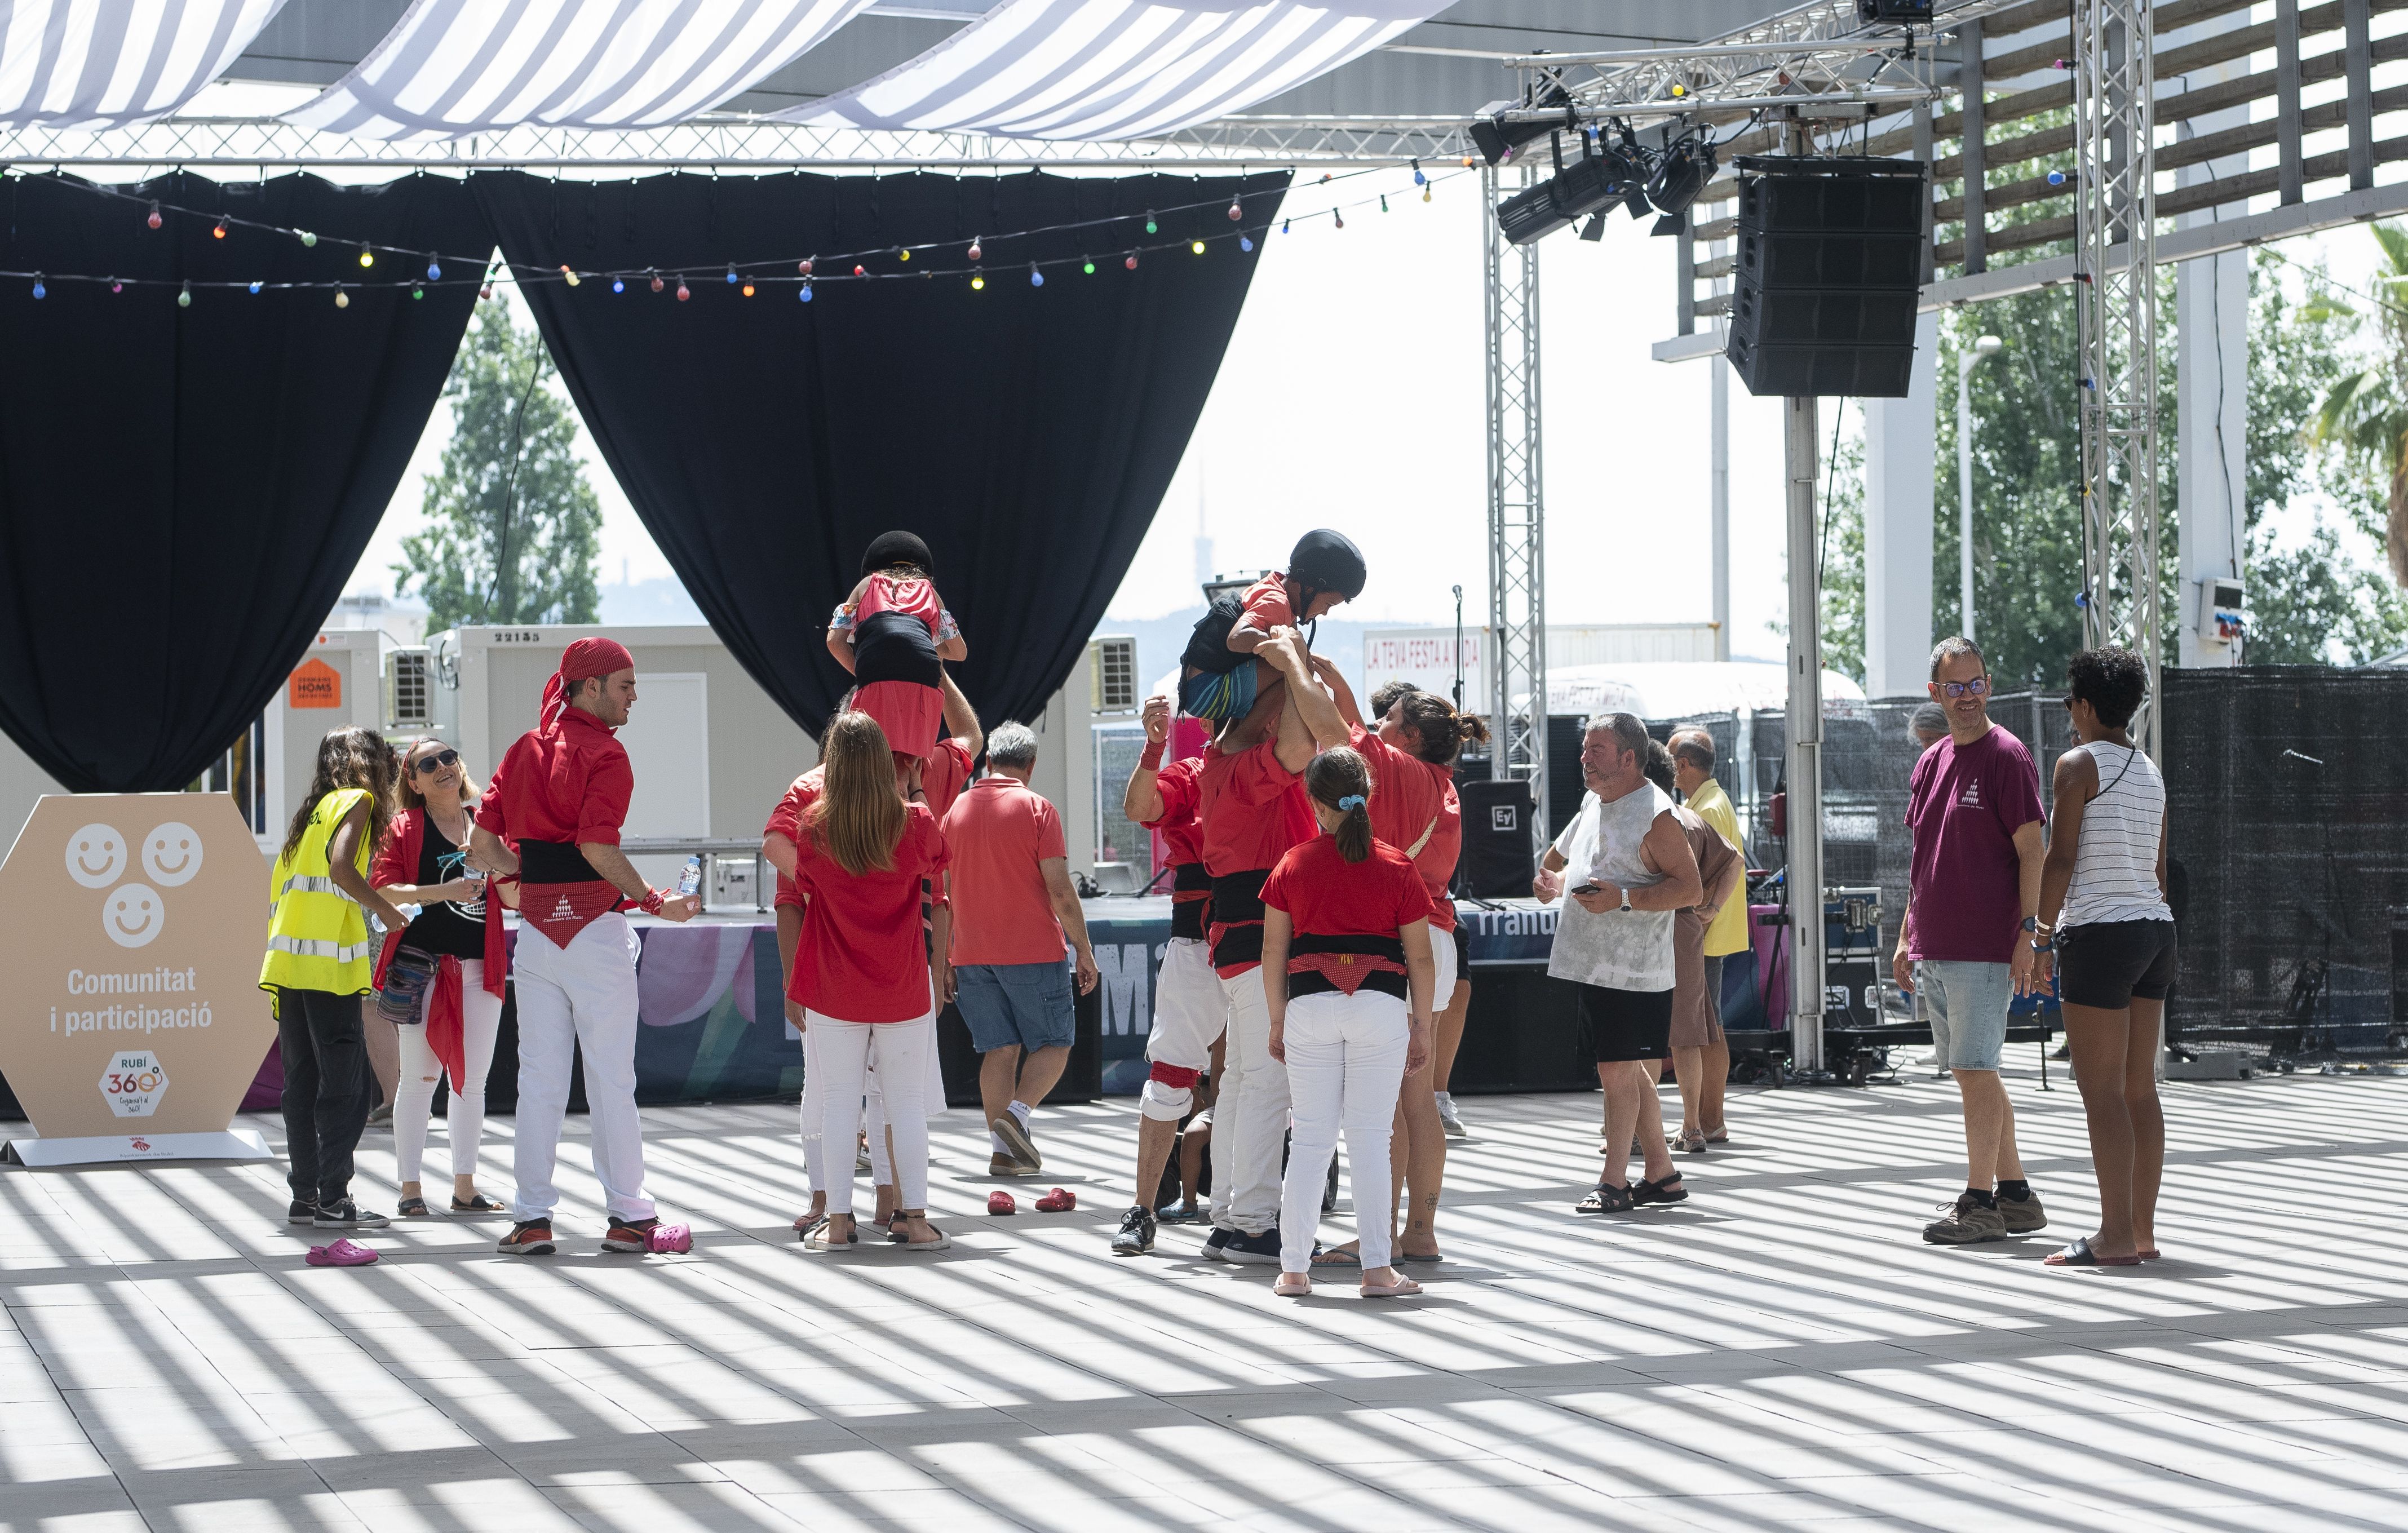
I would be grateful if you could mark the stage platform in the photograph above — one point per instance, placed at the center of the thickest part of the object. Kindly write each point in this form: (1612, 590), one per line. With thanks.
(1780, 1349)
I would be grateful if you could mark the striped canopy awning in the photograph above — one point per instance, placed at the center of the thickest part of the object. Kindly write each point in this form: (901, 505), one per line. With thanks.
(1107, 69)
(451, 67)
(104, 64)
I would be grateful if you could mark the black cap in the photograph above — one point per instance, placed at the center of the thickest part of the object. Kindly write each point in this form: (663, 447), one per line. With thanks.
(1327, 561)
(897, 548)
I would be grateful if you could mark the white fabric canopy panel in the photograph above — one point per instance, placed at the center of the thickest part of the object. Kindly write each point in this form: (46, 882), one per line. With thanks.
(105, 63)
(1110, 69)
(452, 67)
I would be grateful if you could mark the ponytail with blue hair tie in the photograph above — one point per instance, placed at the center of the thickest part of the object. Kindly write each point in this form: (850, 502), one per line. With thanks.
(1352, 801)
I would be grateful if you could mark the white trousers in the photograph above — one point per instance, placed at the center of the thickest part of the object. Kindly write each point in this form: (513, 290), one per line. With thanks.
(584, 995)
(1189, 1012)
(874, 1124)
(1345, 1062)
(842, 1052)
(413, 1100)
(1248, 1114)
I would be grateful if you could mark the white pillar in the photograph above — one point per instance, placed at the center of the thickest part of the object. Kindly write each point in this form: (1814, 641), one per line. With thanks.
(1900, 443)
(1719, 503)
(2212, 329)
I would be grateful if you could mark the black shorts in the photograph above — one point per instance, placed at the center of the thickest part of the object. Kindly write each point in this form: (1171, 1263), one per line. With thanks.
(2107, 964)
(1626, 1024)
(1462, 935)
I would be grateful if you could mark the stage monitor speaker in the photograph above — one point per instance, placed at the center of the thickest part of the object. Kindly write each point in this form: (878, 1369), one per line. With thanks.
(1827, 275)
(1498, 861)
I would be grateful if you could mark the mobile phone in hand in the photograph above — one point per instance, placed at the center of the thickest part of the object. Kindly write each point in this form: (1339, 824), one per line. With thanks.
(1589, 889)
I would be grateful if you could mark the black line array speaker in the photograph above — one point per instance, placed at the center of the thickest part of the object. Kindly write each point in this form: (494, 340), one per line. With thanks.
(1500, 849)
(1827, 273)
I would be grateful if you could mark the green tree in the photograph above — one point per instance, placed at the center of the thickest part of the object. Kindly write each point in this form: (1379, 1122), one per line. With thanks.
(512, 527)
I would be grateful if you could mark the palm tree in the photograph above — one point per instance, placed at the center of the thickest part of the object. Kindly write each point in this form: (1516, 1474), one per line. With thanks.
(2366, 412)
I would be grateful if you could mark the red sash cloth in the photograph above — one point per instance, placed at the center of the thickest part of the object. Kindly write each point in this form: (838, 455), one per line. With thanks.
(561, 911)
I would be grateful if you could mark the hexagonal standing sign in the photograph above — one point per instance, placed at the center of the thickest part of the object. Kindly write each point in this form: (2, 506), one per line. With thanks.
(137, 922)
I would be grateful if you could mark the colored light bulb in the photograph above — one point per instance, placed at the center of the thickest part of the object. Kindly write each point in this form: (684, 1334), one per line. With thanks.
(1338, 215)
(309, 240)
(804, 266)
(978, 252)
(1245, 243)
(1131, 262)
(807, 289)
(731, 275)
(657, 284)
(154, 219)
(569, 275)
(219, 232)
(1419, 180)
(683, 293)
(1236, 212)
(342, 299)
(185, 297)
(40, 291)
(485, 291)
(976, 283)
(746, 288)
(367, 257)
(1197, 245)
(617, 286)
(861, 271)
(1149, 220)
(1090, 263)
(1036, 278)
(433, 268)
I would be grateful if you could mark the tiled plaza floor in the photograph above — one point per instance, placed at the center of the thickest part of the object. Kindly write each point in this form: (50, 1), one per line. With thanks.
(1783, 1348)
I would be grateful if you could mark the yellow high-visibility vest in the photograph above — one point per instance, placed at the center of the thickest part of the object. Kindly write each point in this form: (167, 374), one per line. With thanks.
(317, 935)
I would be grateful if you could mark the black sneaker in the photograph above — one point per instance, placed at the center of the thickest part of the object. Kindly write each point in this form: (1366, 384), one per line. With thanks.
(1216, 1245)
(1136, 1237)
(1253, 1250)
(344, 1214)
(528, 1237)
(302, 1211)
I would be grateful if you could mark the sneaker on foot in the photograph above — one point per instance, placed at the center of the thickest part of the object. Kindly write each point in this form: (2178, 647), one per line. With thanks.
(344, 1214)
(2023, 1214)
(1177, 1212)
(1253, 1250)
(1135, 1237)
(1009, 1166)
(629, 1234)
(1014, 1135)
(1216, 1245)
(302, 1211)
(528, 1237)
(1965, 1221)
(1449, 1119)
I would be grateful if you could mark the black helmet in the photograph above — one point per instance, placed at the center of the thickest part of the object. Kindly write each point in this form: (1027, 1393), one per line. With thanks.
(897, 548)
(1327, 561)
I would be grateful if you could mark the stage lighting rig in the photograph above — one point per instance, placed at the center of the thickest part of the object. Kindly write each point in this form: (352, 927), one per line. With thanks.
(1590, 185)
(1678, 178)
(1896, 12)
(1497, 139)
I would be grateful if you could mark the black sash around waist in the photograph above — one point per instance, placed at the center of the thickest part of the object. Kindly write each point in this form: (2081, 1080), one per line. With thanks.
(554, 862)
(1237, 897)
(895, 647)
(1370, 944)
(1190, 878)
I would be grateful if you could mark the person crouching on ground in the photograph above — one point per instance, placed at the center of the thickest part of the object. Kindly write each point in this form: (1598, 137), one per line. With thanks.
(1348, 974)
(862, 967)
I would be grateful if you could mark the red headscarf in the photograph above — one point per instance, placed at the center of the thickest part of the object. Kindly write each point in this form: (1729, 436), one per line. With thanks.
(583, 657)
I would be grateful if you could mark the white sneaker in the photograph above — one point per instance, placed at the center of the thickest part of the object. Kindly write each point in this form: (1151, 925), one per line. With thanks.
(1449, 1119)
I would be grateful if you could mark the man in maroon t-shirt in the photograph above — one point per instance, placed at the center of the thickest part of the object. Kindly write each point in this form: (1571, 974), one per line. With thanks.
(1966, 939)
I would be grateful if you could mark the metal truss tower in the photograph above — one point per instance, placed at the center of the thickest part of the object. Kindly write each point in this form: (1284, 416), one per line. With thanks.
(1517, 561)
(2116, 303)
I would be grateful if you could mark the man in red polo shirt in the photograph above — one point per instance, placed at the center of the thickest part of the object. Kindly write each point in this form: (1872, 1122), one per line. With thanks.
(552, 815)
(1189, 1010)
(1253, 807)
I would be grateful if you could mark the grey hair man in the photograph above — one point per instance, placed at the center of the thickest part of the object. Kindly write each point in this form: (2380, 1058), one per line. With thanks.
(1633, 871)
(1012, 903)
(1928, 725)
(1703, 1071)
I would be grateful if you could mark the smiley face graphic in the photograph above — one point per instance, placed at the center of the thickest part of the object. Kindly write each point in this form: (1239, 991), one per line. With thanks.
(96, 855)
(171, 853)
(133, 914)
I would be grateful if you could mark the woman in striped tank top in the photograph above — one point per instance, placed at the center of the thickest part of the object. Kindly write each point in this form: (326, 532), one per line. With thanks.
(2103, 915)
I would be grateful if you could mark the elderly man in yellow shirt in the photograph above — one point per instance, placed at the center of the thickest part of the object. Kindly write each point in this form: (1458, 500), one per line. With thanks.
(1703, 1072)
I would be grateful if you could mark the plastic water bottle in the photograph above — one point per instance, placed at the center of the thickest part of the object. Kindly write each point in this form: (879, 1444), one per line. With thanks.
(690, 877)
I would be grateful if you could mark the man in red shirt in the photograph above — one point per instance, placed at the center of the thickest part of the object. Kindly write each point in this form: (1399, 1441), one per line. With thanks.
(1252, 807)
(1012, 900)
(1189, 1010)
(552, 815)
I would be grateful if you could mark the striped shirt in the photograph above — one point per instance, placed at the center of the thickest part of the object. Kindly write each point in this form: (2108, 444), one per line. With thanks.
(2115, 862)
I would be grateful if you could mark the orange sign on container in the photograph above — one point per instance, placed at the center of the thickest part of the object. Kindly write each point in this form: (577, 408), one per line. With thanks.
(316, 684)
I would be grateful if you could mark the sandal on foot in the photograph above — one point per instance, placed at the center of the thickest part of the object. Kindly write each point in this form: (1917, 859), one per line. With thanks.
(1718, 1136)
(478, 1204)
(1403, 1287)
(1605, 1200)
(941, 1243)
(1690, 1142)
(1409, 1256)
(1292, 1286)
(817, 1237)
(1667, 1191)
(1338, 1256)
(2150, 1254)
(2080, 1255)
(413, 1207)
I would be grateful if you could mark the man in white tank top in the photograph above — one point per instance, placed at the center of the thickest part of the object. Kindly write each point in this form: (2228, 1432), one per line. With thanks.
(1633, 870)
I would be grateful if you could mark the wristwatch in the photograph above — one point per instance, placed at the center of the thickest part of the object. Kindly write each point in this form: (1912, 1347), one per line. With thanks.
(2032, 924)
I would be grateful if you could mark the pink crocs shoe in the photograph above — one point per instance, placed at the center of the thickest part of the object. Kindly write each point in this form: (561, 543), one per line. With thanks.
(341, 1254)
(672, 1239)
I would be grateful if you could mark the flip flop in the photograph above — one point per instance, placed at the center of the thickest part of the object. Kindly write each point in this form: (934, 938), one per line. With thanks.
(341, 1254)
(1401, 1288)
(2148, 1256)
(1408, 1257)
(2080, 1255)
(1338, 1256)
(1290, 1286)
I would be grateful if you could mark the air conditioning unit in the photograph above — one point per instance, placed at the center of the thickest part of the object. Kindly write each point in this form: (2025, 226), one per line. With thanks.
(410, 690)
(1113, 672)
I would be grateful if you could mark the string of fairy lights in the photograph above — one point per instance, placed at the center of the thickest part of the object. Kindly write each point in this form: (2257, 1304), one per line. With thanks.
(980, 259)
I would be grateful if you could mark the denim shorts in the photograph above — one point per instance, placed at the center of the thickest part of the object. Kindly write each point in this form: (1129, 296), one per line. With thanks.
(1027, 1004)
(1967, 1004)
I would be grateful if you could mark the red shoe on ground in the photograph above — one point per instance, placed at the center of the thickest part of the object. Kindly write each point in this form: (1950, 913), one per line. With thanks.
(1060, 1200)
(999, 1201)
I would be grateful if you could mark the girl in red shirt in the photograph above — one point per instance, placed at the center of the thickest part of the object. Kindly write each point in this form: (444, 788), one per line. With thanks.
(857, 855)
(893, 634)
(1348, 973)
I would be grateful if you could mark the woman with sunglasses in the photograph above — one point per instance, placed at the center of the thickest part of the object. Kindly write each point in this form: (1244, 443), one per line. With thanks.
(2105, 922)
(450, 957)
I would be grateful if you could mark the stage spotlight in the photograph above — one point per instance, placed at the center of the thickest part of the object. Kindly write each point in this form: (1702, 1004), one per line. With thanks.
(1497, 139)
(1679, 175)
(1589, 185)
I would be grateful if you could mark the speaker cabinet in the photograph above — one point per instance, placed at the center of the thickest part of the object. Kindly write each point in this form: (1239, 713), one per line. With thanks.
(1499, 843)
(1827, 273)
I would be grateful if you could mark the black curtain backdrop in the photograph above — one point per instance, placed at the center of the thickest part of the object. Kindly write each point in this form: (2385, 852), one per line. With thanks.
(185, 490)
(1027, 433)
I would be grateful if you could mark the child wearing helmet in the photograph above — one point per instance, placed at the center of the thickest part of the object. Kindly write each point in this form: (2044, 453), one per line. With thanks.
(893, 634)
(1218, 678)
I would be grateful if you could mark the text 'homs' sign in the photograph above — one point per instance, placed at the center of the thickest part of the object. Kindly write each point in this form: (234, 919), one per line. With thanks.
(137, 922)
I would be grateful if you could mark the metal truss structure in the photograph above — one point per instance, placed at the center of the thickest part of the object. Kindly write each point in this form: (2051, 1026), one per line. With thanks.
(2115, 304)
(731, 143)
(1517, 562)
